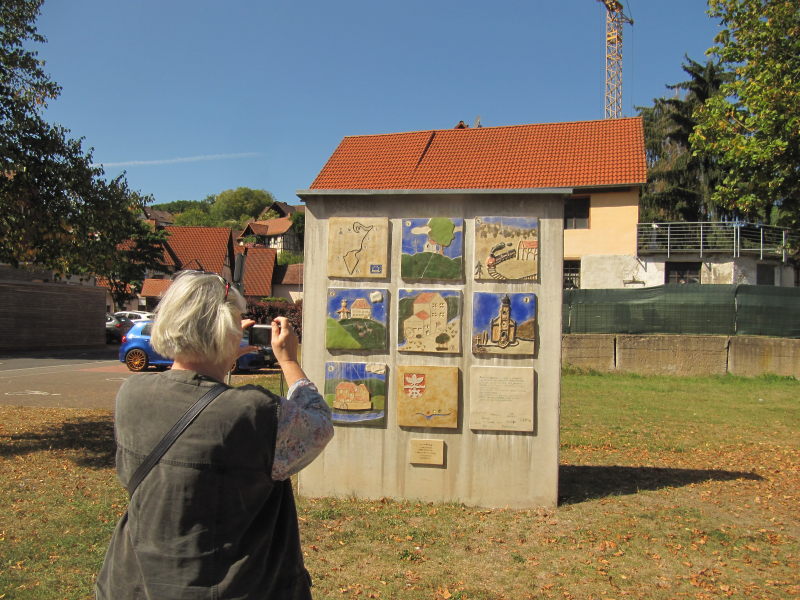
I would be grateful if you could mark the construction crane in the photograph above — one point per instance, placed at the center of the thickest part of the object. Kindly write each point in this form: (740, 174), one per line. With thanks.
(615, 19)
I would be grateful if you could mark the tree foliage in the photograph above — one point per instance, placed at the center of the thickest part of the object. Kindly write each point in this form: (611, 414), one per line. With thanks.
(753, 125)
(680, 184)
(125, 271)
(233, 207)
(56, 209)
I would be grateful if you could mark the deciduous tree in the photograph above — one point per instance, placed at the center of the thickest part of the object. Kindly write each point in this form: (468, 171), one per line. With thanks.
(753, 125)
(56, 209)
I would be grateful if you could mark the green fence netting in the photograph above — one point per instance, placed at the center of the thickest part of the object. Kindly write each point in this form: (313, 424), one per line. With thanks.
(685, 309)
(762, 310)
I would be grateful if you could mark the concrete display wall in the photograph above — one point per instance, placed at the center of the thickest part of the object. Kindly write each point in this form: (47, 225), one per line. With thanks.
(36, 316)
(683, 354)
(483, 468)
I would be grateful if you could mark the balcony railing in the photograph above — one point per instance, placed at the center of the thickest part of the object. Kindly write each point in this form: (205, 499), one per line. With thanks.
(731, 238)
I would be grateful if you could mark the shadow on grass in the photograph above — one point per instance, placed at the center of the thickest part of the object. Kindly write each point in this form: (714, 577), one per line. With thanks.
(579, 483)
(92, 438)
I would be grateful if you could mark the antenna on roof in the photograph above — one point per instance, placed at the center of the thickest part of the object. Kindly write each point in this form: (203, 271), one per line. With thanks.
(477, 122)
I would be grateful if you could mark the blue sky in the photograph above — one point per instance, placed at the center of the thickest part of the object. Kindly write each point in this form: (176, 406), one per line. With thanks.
(191, 98)
(335, 296)
(486, 306)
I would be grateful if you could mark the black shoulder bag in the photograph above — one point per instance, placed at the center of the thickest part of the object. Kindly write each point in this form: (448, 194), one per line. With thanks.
(169, 438)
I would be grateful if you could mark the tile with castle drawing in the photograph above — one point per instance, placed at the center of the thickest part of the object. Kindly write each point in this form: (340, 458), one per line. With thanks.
(357, 319)
(503, 323)
(427, 396)
(506, 248)
(356, 392)
(429, 321)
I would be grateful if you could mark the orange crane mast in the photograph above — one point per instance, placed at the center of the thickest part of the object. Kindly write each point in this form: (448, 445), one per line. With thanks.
(615, 18)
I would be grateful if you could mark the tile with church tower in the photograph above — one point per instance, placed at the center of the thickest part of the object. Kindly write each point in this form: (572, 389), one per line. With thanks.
(503, 323)
(357, 319)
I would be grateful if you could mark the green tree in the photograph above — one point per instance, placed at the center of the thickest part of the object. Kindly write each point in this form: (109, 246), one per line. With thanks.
(234, 206)
(680, 184)
(298, 219)
(125, 270)
(194, 216)
(752, 126)
(56, 210)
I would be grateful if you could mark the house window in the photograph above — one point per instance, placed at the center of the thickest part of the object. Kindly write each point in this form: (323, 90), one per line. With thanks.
(765, 275)
(572, 274)
(682, 272)
(576, 213)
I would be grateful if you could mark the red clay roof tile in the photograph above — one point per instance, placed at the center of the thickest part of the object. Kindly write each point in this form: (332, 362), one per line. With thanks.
(258, 271)
(201, 248)
(577, 154)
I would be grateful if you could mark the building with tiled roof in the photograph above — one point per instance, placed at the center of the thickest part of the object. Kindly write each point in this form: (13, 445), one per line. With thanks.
(599, 165)
(200, 248)
(258, 273)
(582, 154)
(279, 234)
(287, 282)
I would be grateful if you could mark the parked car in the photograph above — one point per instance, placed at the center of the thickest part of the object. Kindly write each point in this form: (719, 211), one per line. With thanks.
(116, 328)
(135, 315)
(137, 353)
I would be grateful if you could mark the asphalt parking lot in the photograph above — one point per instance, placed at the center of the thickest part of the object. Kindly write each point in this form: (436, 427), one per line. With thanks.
(71, 378)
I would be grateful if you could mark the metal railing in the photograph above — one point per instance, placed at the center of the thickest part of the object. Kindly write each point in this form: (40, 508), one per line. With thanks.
(732, 238)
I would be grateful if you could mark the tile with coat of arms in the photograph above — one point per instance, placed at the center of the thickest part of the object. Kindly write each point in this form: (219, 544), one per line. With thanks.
(427, 396)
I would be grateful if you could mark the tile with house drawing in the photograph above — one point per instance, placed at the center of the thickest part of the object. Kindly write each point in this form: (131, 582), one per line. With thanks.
(356, 319)
(429, 321)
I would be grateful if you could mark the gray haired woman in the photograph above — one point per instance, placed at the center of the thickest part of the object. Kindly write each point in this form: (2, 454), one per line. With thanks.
(215, 518)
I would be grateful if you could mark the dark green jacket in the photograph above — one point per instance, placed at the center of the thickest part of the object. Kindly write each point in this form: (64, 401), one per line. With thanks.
(208, 522)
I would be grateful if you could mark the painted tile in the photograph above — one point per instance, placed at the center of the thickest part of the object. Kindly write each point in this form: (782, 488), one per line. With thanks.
(356, 392)
(358, 247)
(429, 321)
(506, 248)
(432, 249)
(427, 396)
(357, 319)
(503, 323)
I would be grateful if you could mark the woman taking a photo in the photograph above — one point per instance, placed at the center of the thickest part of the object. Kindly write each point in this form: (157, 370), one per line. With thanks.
(215, 517)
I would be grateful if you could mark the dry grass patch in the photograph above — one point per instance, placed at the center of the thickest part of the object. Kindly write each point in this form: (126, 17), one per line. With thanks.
(670, 488)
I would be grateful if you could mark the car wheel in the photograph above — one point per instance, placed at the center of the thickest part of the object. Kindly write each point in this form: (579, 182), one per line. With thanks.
(136, 360)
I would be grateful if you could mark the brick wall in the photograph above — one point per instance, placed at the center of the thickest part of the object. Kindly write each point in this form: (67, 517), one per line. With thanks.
(37, 316)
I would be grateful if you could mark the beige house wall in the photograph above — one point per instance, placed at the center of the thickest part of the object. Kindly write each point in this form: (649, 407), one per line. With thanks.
(613, 217)
(482, 468)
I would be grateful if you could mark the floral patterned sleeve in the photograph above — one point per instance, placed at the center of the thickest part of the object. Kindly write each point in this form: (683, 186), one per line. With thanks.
(304, 429)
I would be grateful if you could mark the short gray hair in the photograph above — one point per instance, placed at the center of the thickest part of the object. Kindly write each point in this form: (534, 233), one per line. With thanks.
(197, 316)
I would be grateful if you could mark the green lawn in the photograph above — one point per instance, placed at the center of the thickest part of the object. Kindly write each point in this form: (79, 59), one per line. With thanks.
(670, 488)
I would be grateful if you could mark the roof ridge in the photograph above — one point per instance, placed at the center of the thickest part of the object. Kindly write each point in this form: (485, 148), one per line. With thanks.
(493, 127)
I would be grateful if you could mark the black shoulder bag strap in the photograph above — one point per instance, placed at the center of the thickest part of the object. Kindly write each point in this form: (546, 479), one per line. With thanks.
(172, 435)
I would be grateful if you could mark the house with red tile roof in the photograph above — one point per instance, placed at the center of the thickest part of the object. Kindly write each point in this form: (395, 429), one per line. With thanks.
(601, 164)
(279, 234)
(207, 249)
(287, 282)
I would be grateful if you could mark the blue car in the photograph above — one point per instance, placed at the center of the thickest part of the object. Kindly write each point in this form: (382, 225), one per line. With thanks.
(137, 353)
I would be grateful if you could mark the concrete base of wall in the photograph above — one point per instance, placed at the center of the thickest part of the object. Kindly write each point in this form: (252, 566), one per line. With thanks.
(672, 354)
(750, 355)
(589, 351)
(682, 354)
